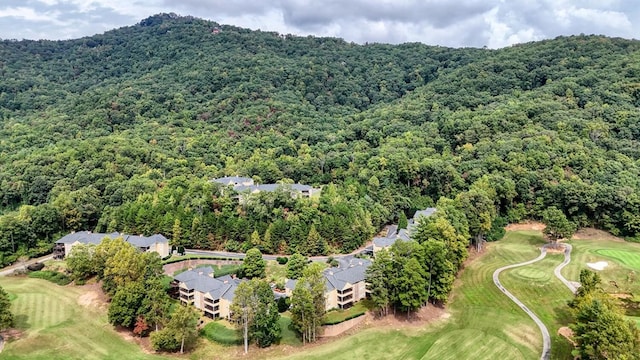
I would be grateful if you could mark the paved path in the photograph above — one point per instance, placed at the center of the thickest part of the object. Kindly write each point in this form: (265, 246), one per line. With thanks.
(234, 255)
(9, 269)
(546, 338)
(573, 286)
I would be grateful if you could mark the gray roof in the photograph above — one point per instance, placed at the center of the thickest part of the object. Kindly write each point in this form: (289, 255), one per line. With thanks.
(233, 180)
(403, 235)
(87, 237)
(426, 213)
(290, 284)
(351, 271)
(199, 280)
(392, 230)
(384, 241)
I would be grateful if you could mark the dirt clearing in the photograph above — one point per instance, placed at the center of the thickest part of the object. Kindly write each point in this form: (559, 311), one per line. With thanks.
(526, 226)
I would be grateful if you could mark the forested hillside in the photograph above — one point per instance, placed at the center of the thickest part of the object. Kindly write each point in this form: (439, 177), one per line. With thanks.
(122, 132)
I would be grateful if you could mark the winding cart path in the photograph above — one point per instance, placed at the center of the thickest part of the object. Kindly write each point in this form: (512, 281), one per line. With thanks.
(546, 338)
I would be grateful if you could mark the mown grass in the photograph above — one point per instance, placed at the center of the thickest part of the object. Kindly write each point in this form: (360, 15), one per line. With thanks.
(57, 326)
(338, 315)
(622, 275)
(288, 335)
(546, 296)
(484, 324)
(222, 333)
(630, 259)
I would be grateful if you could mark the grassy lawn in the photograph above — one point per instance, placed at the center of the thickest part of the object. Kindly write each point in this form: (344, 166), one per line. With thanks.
(276, 273)
(57, 326)
(484, 324)
(336, 316)
(289, 336)
(623, 259)
(221, 332)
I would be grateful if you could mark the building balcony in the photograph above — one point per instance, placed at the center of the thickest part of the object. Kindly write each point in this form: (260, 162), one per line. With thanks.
(345, 299)
(345, 291)
(186, 298)
(211, 301)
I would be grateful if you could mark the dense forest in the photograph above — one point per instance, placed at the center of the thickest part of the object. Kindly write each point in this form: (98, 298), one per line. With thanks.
(123, 131)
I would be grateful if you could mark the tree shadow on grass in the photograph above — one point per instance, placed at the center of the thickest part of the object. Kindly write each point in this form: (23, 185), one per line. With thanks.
(21, 321)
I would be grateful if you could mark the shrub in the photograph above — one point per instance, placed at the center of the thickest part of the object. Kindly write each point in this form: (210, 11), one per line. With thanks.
(53, 276)
(35, 266)
(164, 340)
(282, 260)
(283, 304)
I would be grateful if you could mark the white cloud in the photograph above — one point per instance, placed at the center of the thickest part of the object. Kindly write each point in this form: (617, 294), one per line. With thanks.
(494, 23)
(29, 14)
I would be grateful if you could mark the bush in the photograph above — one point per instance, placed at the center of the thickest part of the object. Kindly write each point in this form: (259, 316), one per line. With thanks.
(53, 276)
(282, 260)
(164, 340)
(497, 229)
(181, 250)
(283, 304)
(35, 266)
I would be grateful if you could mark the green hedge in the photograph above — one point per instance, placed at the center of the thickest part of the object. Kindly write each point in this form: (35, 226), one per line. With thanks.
(53, 276)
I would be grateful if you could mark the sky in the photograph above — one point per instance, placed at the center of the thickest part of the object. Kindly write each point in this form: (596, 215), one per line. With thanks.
(461, 23)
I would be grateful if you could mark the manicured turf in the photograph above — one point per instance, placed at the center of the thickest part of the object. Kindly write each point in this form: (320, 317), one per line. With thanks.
(289, 336)
(630, 259)
(57, 326)
(622, 275)
(221, 332)
(336, 316)
(484, 324)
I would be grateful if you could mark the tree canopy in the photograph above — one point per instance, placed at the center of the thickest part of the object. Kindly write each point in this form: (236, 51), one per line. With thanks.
(123, 131)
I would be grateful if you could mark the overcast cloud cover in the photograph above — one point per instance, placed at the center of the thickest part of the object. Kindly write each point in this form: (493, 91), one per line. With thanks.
(492, 23)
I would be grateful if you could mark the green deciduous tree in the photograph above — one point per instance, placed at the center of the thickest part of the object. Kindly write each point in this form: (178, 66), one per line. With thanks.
(183, 324)
(81, 261)
(377, 279)
(253, 264)
(6, 316)
(557, 225)
(296, 265)
(256, 312)
(125, 305)
(308, 303)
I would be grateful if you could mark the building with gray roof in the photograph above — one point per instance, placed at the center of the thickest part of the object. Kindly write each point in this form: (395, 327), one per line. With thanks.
(244, 185)
(393, 234)
(213, 296)
(157, 242)
(344, 285)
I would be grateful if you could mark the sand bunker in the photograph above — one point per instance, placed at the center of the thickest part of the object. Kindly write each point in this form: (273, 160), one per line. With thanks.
(600, 265)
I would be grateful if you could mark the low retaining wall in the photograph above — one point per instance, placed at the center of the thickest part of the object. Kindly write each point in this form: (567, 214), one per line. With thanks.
(169, 269)
(337, 329)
